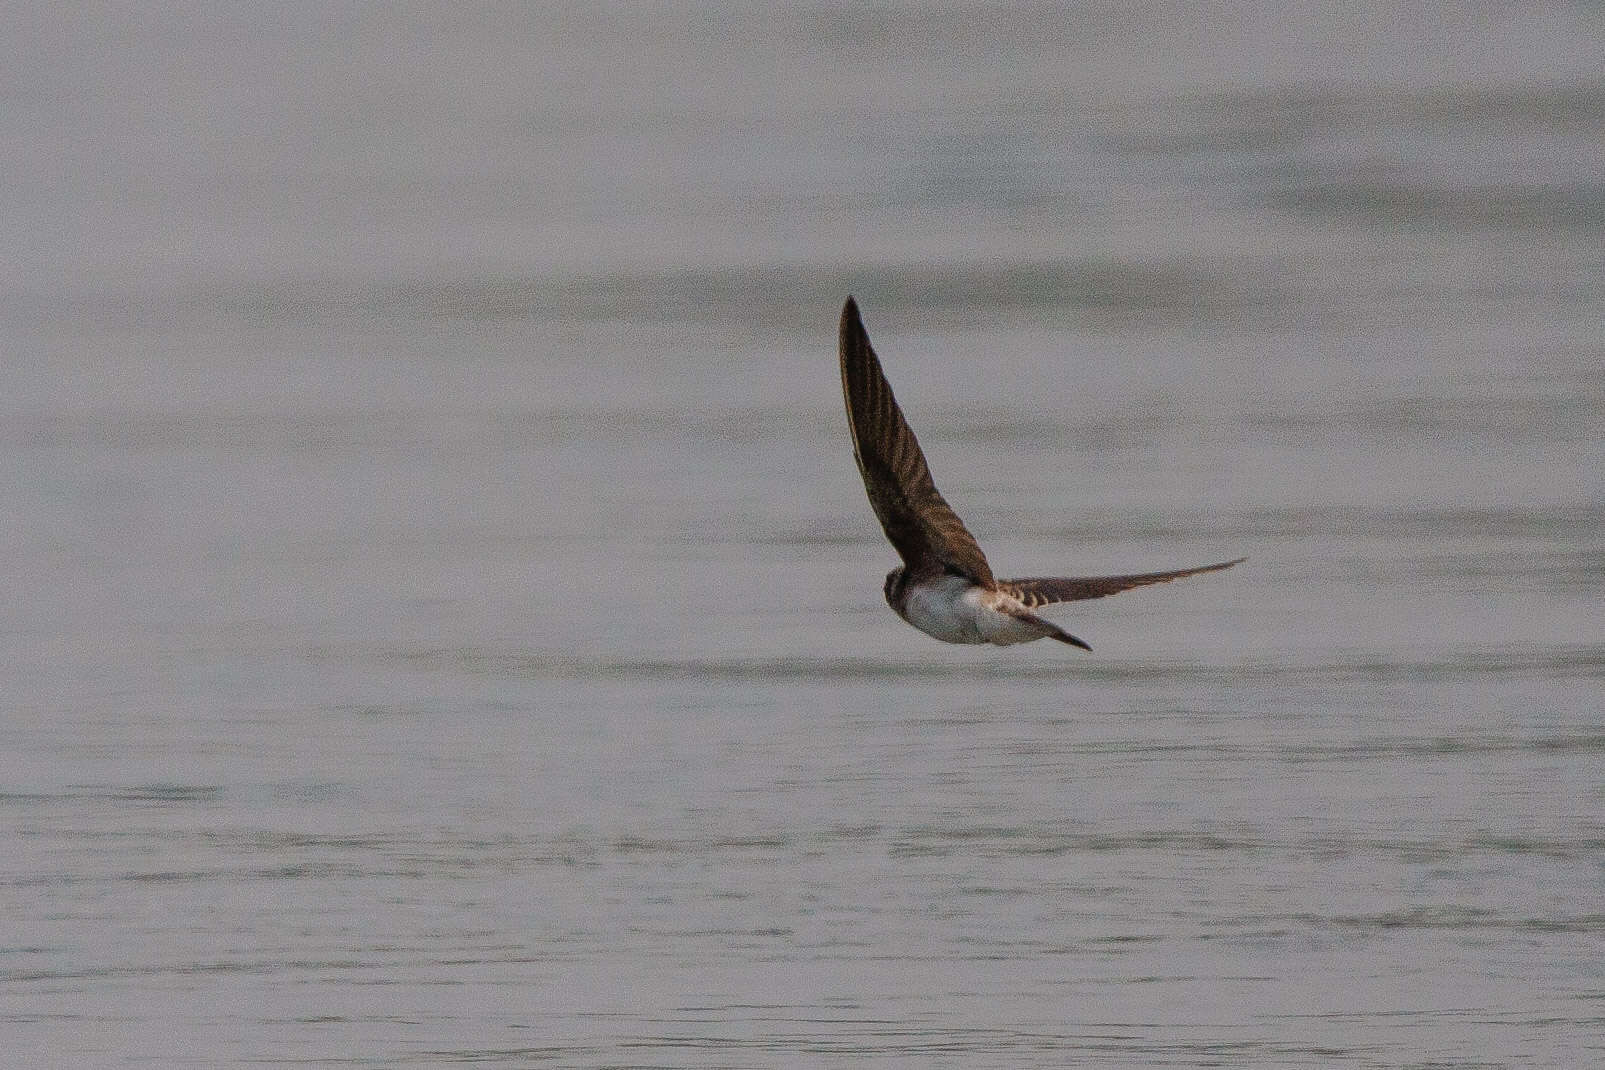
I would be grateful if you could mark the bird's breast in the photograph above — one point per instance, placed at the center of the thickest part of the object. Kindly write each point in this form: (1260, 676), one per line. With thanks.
(944, 608)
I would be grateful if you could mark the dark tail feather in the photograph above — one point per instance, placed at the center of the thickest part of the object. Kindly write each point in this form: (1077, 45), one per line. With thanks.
(1050, 629)
(1065, 637)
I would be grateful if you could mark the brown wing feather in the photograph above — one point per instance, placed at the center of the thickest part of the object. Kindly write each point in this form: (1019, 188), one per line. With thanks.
(920, 524)
(1046, 590)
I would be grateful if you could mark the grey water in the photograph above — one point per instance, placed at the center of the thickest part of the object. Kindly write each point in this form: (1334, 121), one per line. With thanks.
(442, 618)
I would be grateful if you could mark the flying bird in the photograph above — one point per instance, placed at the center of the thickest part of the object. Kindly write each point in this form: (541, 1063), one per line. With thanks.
(944, 587)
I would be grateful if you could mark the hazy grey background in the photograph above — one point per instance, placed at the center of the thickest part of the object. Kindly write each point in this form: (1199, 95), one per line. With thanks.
(443, 623)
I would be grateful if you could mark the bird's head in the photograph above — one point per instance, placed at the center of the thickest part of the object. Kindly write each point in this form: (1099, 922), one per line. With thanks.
(894, 586)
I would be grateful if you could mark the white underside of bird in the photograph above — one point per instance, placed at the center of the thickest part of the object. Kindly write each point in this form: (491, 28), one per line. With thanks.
(956, 610)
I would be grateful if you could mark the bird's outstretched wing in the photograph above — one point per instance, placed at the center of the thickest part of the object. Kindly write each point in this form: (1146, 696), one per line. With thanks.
(921, 526)
(1046, 590)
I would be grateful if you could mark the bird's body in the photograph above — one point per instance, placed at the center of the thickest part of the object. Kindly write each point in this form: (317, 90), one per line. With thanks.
(945, 587)
(956, 609)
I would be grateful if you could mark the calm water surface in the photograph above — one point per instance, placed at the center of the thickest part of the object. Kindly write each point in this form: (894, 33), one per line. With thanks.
(443, 621)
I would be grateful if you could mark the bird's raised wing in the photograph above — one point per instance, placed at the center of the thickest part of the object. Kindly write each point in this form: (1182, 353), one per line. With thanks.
(921, 526)
(1046, 590)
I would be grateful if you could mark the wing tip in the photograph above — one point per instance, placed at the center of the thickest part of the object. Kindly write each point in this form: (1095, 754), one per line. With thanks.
(853, 345)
